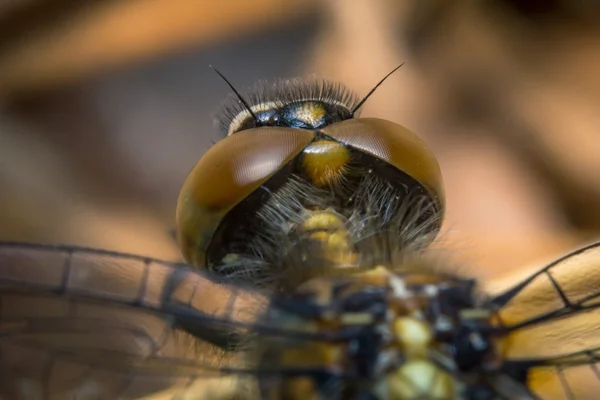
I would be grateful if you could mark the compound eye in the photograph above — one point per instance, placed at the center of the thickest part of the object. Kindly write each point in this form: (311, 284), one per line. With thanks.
(395, 145)
(231, 170)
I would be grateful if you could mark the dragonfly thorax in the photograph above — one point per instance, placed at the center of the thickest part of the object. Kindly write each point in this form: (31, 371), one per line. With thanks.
(384, 335)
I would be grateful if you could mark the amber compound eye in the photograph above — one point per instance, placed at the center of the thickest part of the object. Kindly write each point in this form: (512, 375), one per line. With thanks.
(396, 146)
(232, 169)
(270, 166)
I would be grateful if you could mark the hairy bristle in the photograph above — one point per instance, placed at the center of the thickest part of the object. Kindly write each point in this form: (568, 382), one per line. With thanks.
(281, 92)
(383, 226)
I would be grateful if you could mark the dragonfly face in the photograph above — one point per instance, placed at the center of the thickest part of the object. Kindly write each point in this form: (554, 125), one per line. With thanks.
(296, 166)
(334, 210)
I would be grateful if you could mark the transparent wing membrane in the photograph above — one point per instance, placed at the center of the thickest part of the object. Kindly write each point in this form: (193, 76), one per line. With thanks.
(87, 324)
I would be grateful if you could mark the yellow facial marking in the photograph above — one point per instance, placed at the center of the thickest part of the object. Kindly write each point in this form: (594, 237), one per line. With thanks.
(324, 162)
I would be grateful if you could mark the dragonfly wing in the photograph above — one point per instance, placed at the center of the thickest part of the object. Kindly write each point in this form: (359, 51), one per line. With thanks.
(86, 324)
(552, 326)
(573, 376)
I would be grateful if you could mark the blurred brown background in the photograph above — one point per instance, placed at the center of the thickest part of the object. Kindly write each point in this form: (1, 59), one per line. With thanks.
(106, 106)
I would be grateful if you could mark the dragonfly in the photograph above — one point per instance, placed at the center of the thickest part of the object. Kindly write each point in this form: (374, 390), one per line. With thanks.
(305, 233)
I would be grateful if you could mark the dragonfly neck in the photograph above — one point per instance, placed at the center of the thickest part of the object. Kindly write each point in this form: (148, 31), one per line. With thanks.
(299, 231)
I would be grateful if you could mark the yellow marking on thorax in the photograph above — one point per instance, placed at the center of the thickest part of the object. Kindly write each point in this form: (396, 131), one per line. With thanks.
(329, 229)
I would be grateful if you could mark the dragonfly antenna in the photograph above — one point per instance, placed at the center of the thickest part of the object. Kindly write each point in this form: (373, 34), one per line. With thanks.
(360, 104)
(239, 96)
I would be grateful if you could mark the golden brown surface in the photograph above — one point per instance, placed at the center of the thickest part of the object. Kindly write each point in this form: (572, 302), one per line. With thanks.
(115, 109)
(505, 106)
(395, 145)
(106, 35)
(100, 162)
